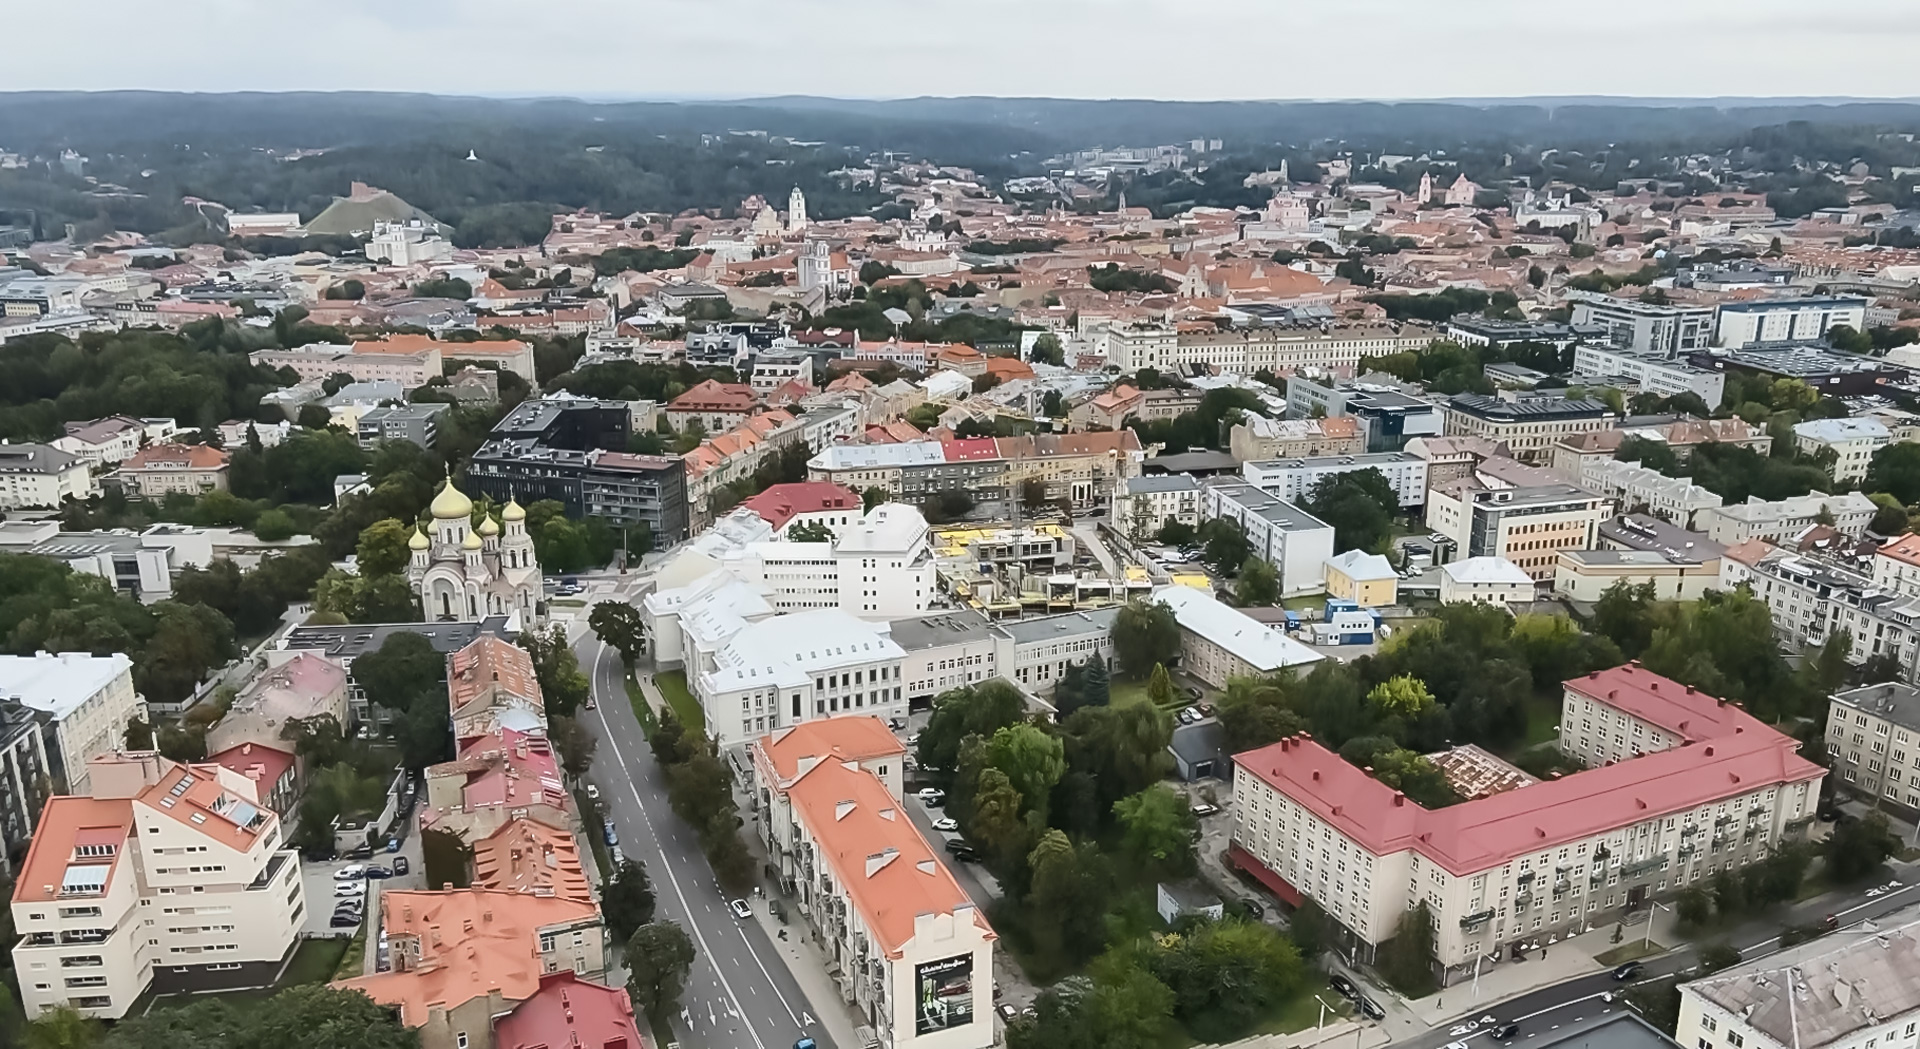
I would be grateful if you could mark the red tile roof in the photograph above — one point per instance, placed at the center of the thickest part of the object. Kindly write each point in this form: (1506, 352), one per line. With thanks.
(1681, 709)
(570, 1013)
(177, 457)
(258, 762)
(65, 822)
(529, 856)
(968, 448)
(853, 737)
(715, 396)
(1475, 835)
(783, 502)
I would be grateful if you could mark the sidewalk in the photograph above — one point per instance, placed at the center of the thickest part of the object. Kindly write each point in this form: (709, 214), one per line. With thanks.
(1341, 1034)
(809, 968)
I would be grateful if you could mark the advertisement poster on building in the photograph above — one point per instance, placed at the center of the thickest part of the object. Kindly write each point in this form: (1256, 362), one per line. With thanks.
(944, 993)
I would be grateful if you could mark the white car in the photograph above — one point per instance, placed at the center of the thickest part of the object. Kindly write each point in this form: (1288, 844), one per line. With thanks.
(593, 792)
(740, 909)
(931, 797)
(350, 872)
(1456, 1045)
(946, 823)
(349, 889)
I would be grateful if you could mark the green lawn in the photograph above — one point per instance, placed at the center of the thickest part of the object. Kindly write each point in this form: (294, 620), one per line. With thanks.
(642, 709)
(1543, 720)
(1303, 1010)
(673, 688)
(354, 959)
(1123, 692)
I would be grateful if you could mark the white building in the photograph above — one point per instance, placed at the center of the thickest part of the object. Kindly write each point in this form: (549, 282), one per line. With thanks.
(1811, 601)
(1143, 505)
(1655, 372)
(42, 476)
(1034, 653)
(1295, 542)
(1674, 499)
(1219, 643)
(1293, 480)
(914, 953)
(783, 670)
(796, 211)
(1527, 525)
(164, 877)
(1485, 581)
(103, 442)
(1852, 442)
(463, 574)
(1645, 326)
(1741, 324)
(1778, 520)
(88, 700)
(410, 243)
(879, 567)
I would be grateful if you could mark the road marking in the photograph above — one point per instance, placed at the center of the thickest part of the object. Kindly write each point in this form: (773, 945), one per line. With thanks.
(674, 879)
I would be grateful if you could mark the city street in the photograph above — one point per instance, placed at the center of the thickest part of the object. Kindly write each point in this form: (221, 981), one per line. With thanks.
(739, 994)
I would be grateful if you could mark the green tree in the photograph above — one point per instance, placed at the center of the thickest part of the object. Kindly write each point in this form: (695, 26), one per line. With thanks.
(574, 744)
(620, 625)
(1048, 350)
(1224, 545)
(873, 497)
(310, 1016)
(1096, 687)
(1717, 956)
(1402, 695)
(314, 417)
(562, 686)
(1033, 761)
(382, 549)
(1310, 929)
(1652, 454)
(1157, 831)
(659, 956)
(272, 526)
(627, 902)
(1857, 848)
(1145, 634)
(975, 710)
(1895, 470)
(1123, 749)
(406, 670)
(1226, 976)
(995, 821)
(62, 1027)
(1694, 906)
(1160, 686)
(1406, 961)
(810, 532)
(1624, 614)
(1359, 505)
(1258, 585)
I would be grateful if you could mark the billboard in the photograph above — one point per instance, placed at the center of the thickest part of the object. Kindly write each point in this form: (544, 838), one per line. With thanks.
(943, 994)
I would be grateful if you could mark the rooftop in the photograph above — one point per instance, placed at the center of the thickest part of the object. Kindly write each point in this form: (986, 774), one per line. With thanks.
(1269, 508)
(355, 639)
(528, 856)
(176, 457)
(783, 502)
(849, 737)
(1050, 628)
(1260, 646)
(58, 684)
(1360, 566)
(1487, 570)
(1649, 533)
(1531, 409)
(932, 631)
(1892, 701)
(570, 1013)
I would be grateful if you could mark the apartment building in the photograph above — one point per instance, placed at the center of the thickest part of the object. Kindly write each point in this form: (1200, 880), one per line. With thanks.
(508, 775)
(23, 769)
(1782, 519)
(1586, 575)
(86, 702)
(1855, 988)
(944, 652)
(1675, 499)
(1295, 542)
(1652, 371)
(1143, 505)
(1257, 437)
(625, 489)
(103, 442)
(1873, 739)
(305, 687)
(1647, 327)
(1034, 653)
(1541, 860)
(410, 360)
(1529, 427)
(1679, 433)
(1283, 351)
(1896, 565)
(1527, 525)
(1081, 468)
(1741, 324)
(160, 470)
(807, 503)
(712, 405)
(164, 877)
(1812, 600)
(1294, 479)
(416, 424)
(37, 476)
(1219, 643)
(1389, 413)
(1851, 442)
(911, 954)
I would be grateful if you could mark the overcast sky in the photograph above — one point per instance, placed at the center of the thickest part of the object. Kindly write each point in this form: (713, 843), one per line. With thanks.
(1171, 49)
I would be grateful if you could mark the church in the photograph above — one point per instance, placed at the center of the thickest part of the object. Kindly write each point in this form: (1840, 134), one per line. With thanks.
(464, 573)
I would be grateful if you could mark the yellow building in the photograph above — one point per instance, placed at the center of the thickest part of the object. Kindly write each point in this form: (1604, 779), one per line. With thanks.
(1367, 580)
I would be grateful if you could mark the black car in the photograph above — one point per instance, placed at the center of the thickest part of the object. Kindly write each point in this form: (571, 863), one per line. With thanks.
(1506, 1033)
(961, 850)
(1371, 1009)
(1627, 971)
(343, 920)
(377, 871)
(1343, 987)
(400, 865)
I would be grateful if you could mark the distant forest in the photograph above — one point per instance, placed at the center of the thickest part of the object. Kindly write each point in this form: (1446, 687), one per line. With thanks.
(538, 156)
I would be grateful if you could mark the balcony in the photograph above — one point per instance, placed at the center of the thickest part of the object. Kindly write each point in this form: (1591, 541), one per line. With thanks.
(1644, 867)
(1474, 921)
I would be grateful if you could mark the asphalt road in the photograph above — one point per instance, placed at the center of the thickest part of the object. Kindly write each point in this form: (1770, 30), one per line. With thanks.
(739, 994)
(1540, 1012)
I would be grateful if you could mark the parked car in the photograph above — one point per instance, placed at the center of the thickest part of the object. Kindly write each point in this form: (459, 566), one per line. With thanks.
(350, 872)
(1252, 909)
(931, 797)
(1627, 971)
(1007, 1012)
(343, 920)
(349, 888)
(1371, 1009)
(401, 866)
(1343, 987)
(962, 851)
(1187, 716)
(377, 871)
(1202, 808)
(1194, 691)
(593, 792)
(946, 823)
(613, 836)
(740, 909)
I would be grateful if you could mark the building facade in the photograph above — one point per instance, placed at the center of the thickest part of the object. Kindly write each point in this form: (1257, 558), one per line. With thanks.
(1293, 480)
(465, 574)
(86, 702)
(1528, 427)
(1295, 542)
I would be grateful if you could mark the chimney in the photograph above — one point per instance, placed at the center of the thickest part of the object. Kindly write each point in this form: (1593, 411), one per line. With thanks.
(1399, 800)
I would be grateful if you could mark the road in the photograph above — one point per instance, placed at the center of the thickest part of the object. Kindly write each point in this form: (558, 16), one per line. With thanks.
(1550, 1008)
(739, 995)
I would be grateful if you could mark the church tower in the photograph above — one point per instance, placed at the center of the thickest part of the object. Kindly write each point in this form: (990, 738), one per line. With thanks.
(796, 211)
(464, 573)
(1426, 187)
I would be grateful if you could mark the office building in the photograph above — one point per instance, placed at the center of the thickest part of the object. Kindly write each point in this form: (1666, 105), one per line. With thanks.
(1528, 525)
(1653, 372)
(1281, 350)
(1081, 468)
(1368, 580)
(1219, 643)
(1034, 653)
(1529, 427)
(1851, 442)
(86, 702)
(1647, 327)
(1832, 373)
(1294, 480)
(1143, 505)
(1742, 324)
(1812, 601)
(1586, 575)
(416, 424)
(626, 490)
(1486, 581)
(944, 652)
(1388, 413)
(1295, 542)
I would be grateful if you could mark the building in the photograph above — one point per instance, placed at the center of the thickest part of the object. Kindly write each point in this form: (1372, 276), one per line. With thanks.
(1219, 643)
(505, 777)
(1668, 330)
(912, 953)
(1855, 987)
(1528, 525)
(1585, 575)
(1541, 860)
(160, 470)
(491, 687)
(36, 476)
(1368, 580)
(161, 878)
(1469, 330)
(1389, 415)
(714, 406)
(1873, 738)
(1828, 371)
(1851, 442)
(1782, 519)
(25, 775)
(1257, 437)
(1572, 455)
(273, 770)
(408, 360)
(1644, 490)
(104, 442)
(566, 1011)
(783, 670)
(811, 503)
(1529, 427)
(1294, 479)
(1896, 565)
(86, 701)
(303, 688)
(1034, 653)
(1485, 581)
(462, 957)
(1811, 601)
(466, 574)
(1742, 324)
(1280, 350)
(625, 489)
(1081, 468)
(1143, 505)
(1653, 372)
(417, 424)
(944, 652)
(1295, 542)
(347, 642)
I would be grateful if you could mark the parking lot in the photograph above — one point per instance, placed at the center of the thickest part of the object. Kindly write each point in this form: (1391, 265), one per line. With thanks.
(318, 879)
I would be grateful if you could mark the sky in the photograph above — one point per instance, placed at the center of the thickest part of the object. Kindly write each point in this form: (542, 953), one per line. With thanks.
(1164, 49)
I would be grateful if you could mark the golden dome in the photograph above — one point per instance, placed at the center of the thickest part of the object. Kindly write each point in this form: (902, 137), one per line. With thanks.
(513, 512)
(418, 541)
(450, 504)
(487, 525)
(471, 542)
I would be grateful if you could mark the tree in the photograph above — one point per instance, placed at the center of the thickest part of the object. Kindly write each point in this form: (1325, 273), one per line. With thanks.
(1032, 759)
(382, 549)
(1359, 505)
(1145, 634)
(1857, 848)
(1889, 517)
(1258, 585)
(404, 671)
(1694, 906)
(1096, 690)
(1623, 614)
(1895, 470)
(62, 1027)
(1157, 828)
(620, 625)
(574, 743)
(562, 686)
(1310, 929)
(995, 821)
(975, 710)
(272, 526)
(312, 1016)
(1652, 454)
(1160, 686)
(1224, 545)
(1401, 696)
(873, 497)
(627, 902)
(314, 417)
(443, 288)
(659, 956)
(1406, 961)
(1226, 975)
(1048, 350)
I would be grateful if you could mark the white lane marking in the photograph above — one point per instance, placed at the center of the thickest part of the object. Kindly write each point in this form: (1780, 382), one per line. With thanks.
(600, 657)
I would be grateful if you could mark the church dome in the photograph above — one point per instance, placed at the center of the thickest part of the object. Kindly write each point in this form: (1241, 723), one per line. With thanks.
(513, 512)
(487, 525)
(471, 542)
(418, 541)
(450, 504)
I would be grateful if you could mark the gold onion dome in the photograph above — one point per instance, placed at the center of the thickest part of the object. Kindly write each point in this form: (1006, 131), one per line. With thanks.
(471, 542)
(487, 525)
(513, 512)
(450, 504)
(418, 541)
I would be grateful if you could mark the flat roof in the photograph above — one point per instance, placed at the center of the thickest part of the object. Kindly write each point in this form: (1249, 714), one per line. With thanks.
(1275, 511)
(951, 628)
(59, 684)
(1533, 409)
(348, 640)
(1892, 700)
(1363, 459)
(1067, 624)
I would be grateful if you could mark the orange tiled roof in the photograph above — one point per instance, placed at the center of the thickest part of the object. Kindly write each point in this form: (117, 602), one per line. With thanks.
(177, 457)
(1906, 548)
(488, 666)
(528, 856)
(65, 823)
(856, 737)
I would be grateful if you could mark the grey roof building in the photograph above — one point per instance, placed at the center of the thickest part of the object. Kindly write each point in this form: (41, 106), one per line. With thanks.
(414, 423)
